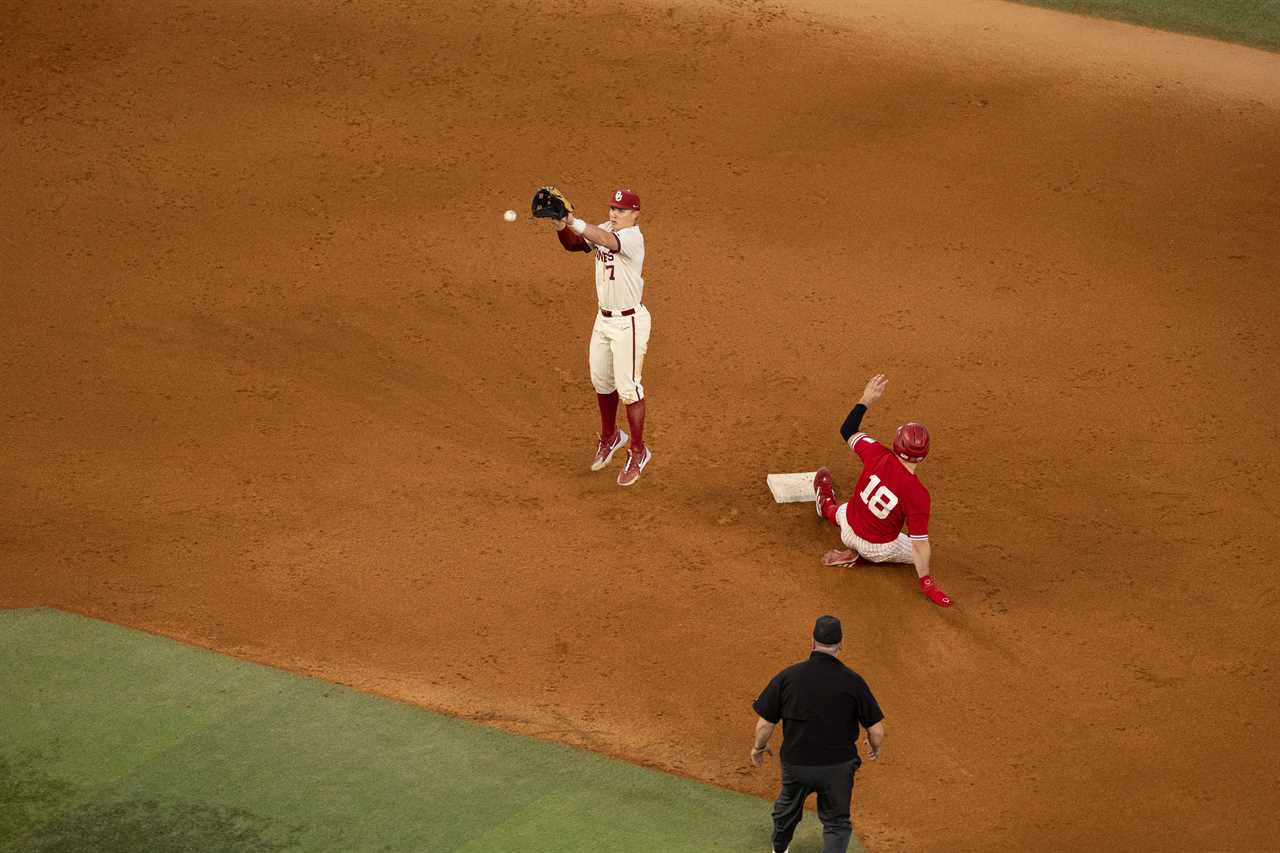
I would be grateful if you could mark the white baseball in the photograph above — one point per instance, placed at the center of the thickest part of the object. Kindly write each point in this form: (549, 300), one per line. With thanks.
(510, 216)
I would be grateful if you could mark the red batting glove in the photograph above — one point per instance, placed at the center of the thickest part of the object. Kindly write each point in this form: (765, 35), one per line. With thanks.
(931, 591)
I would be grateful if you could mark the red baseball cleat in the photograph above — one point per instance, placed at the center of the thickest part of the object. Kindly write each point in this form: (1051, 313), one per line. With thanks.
(933, 593)
(824, 491)
(635, 464)
(840, 558)
(605, 450)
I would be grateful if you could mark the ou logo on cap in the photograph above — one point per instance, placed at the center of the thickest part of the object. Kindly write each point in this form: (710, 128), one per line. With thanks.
(617, 196)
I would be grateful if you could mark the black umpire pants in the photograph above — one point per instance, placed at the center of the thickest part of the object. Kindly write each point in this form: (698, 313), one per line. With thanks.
(833, 784)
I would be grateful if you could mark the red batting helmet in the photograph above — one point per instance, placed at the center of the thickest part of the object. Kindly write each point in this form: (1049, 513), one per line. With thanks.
(911, 442)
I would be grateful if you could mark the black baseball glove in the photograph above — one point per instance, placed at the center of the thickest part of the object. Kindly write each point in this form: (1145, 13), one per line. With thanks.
(550, 203)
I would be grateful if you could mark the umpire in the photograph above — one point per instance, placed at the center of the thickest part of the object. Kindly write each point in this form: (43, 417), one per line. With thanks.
(823, 702)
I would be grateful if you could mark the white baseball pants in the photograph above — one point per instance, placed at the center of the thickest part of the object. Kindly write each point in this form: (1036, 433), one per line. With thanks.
(618, 345)
(897, 551)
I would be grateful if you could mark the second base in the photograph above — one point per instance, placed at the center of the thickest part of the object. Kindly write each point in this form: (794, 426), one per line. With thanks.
(791, 488)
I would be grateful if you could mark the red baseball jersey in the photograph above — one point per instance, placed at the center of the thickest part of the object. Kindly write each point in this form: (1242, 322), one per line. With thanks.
(887, 494)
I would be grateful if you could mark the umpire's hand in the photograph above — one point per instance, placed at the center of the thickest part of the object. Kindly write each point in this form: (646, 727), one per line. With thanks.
(757, 756)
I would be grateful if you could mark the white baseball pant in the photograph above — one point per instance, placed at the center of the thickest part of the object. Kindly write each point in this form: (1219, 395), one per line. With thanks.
(897, 551)
(618, 345)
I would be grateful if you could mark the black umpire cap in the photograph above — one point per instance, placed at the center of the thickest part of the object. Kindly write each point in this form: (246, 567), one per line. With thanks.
(827, 632)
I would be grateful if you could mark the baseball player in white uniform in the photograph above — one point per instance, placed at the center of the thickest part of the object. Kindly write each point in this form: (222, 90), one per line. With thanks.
(621, 334)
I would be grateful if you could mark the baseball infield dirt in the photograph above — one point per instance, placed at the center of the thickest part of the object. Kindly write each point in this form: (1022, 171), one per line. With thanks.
(279, 379)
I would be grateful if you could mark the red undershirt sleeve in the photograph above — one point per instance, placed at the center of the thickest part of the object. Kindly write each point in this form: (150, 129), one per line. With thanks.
(572, 242)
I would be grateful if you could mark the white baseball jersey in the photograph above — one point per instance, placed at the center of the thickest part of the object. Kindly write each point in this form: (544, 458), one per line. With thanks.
(619, 278)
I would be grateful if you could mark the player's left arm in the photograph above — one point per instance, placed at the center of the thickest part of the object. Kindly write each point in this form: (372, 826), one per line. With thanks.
(921, 552)
(595, 234)
(571, 241)
(918, 531)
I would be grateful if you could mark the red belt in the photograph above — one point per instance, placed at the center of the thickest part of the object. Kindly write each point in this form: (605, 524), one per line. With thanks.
(626, 313)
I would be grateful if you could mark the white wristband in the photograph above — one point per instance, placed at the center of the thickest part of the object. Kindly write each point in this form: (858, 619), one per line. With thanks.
(579, 227)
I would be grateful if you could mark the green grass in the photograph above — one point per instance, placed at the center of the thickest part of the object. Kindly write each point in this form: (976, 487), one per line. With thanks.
(1251, 22)
(114, 740)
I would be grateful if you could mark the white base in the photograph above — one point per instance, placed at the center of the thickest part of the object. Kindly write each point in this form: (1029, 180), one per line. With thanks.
(791, 488)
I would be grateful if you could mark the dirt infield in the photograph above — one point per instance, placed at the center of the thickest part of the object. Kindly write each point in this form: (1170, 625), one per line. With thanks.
(280, 381)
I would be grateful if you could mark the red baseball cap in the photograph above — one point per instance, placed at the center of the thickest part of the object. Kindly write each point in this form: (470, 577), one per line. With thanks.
(624, 199)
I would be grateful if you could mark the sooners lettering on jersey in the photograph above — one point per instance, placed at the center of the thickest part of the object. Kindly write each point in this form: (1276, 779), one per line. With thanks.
(620, 274)
(887, 494)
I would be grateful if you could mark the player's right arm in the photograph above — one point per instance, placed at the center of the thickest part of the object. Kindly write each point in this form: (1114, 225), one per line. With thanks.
(873, 392)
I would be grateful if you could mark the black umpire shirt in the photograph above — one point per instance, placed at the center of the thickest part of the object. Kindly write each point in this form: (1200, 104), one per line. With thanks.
(821, 702)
